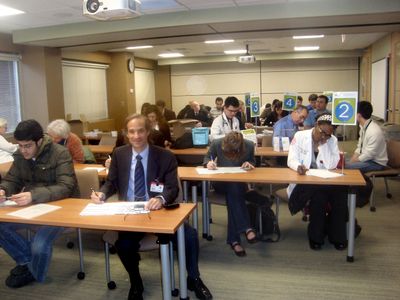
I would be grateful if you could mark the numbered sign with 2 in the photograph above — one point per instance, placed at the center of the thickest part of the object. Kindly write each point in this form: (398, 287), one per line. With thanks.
(344, 108)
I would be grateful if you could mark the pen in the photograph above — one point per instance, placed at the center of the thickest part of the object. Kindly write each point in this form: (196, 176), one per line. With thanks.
(92, 189)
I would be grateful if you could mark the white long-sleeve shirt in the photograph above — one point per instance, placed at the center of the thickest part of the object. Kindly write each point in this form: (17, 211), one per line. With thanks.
(301, 153)
(6, 150)
(221, 126)
(371, 144)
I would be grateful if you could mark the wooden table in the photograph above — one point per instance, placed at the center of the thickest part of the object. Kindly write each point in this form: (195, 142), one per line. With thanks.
(259, 151)
(161, 221)
(351, 178)
(101, 149)
(4, 167)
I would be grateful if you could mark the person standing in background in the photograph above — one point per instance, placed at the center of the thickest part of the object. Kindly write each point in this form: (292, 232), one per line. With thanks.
(167, 113)
(6, 148)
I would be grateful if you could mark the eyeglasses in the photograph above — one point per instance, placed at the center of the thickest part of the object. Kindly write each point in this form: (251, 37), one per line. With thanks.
(324, 133)
(234, 111)
(26, 146)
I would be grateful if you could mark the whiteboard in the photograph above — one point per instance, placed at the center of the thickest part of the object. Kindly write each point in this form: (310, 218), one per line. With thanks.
(379, 88)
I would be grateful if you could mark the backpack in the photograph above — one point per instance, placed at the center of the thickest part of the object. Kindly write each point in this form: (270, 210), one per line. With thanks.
(262, 217)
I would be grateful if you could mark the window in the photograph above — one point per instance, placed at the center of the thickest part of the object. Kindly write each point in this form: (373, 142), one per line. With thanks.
(85, 90)
(10, 108)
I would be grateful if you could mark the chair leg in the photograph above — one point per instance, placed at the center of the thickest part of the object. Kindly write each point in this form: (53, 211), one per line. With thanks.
(81, 273)
(371, 198)
(388, 194)
(110, 284)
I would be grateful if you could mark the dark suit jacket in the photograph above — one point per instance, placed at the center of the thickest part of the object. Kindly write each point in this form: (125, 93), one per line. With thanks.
(161, 166)
(203, 116)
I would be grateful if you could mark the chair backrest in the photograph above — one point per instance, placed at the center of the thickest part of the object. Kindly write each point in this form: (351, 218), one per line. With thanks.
(107, 140)
(393, 152)
(88, 155)
(266, 141)
(87, 179)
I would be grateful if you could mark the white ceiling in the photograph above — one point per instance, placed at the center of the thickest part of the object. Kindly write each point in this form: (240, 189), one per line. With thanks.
(183, 25)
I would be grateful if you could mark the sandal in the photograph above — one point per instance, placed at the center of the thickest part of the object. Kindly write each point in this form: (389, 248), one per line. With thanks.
(252, 240)
(238, 249)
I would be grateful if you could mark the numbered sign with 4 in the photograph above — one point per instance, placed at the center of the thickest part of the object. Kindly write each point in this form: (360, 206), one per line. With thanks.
(344, 108)
(289, 101)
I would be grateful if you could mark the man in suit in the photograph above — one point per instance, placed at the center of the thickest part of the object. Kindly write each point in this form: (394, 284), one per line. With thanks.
(144, 172)
(168, 114)
(198, 113)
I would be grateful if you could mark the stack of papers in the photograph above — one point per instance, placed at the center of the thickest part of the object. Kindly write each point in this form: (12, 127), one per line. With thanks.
(220, 170)
(34, 211)
(94, 168)
(323, 173)
(8, 203)
(115, 208)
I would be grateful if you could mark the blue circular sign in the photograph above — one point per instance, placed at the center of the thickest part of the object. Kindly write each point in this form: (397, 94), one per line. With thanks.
(289, 103)
(344, 111)
(255, 107)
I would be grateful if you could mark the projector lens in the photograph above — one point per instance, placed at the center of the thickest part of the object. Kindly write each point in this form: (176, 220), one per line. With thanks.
(92, 6)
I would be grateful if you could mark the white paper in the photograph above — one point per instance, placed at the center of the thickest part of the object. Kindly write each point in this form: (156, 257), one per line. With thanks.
(250, 135)
(94, 168)
(323, 173)
(285, 143)
(8, 203)
(220, 170)
(276, 143)
(115, 208)
(34, 211)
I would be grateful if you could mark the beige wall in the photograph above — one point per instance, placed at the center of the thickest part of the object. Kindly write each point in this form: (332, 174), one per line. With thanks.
(270, 78)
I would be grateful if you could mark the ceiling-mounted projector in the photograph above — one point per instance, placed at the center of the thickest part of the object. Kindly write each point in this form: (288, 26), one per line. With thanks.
(111, 9)
(248, 58)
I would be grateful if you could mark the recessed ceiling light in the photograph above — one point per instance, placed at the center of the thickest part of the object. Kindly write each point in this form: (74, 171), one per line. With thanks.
(306, 48)
(237, 51)
(301, 37)
(219, 41)
(170, 55)
(139, 47)
(8, 11)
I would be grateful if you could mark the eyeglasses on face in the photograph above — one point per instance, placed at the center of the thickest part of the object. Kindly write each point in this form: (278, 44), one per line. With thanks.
(26, 146)
(324, 133)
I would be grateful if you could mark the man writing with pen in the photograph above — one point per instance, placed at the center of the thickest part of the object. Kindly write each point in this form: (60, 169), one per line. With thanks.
(143, 172)
(42, 171)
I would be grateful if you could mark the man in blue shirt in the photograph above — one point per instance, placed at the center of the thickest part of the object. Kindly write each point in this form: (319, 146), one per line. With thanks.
(322, 102)
(289, 125)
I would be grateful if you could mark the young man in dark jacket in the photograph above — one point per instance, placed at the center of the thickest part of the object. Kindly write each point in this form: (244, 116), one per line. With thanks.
(41, 172)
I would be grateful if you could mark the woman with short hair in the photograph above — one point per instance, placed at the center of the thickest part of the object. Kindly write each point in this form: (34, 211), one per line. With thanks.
(60, 132)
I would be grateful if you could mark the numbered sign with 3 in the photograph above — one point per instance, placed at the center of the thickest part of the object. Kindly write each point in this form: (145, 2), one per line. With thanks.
(344, 108)
(254, 106)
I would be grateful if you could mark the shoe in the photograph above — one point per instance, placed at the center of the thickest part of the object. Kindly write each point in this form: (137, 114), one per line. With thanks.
(340, 246)
(19, 270)
(134, 294)
(199, 288)
(20, 280)
(252, 240)
(237, 248)
(314, 245)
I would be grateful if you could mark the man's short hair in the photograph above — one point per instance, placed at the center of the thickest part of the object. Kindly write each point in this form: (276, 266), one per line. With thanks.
(59, 128)
(29, 130)
(300, 98)
(300, 108)
(218, 99)
(160, 103)
(312, 97)
(231, 101)
(365, 109)
(325, 98)
(147, 124)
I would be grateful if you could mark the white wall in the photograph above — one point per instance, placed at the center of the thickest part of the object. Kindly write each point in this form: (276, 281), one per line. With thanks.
(204, 82)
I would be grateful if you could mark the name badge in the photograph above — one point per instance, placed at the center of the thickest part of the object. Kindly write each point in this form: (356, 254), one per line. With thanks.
(156, 187)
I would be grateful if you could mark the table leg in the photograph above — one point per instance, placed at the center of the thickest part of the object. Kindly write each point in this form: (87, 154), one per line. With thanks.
(352, 212)
(182, 262)
(195, 217)
(206, 216)
(165, 269)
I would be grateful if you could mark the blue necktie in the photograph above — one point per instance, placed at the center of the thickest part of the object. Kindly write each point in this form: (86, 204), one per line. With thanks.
(140, 186)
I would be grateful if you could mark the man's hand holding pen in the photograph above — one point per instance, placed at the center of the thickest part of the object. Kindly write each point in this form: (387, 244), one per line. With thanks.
(301, 169)
(97, 197)
(22, 198)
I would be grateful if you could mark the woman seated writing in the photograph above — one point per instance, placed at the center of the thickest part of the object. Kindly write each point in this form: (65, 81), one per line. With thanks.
(317, 148)
(233, 151)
